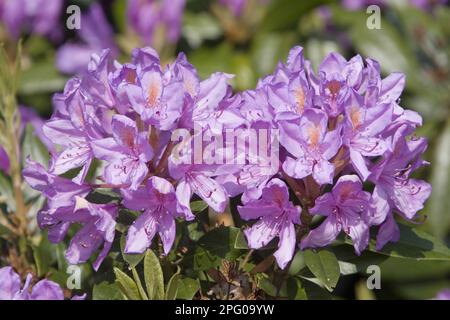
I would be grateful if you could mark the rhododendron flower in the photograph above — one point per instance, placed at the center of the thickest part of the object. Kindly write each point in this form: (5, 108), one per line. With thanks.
(346, 208)
(35, 16)
(98, 228)
(394, 189)
(149, 17)
(276, 218)
(159, 132)
(60, 192)
(11, 288)
(158, 202)
(72, 128)
(362, 132)
(126, 153)
(157, 101)
(309, 140)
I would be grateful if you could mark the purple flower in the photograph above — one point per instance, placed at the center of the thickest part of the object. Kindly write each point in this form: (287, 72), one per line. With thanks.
(362, 131)
(98, 228)
(157, 100)
(72, 129)
(10, 288)
(309, 141)
(149, 17)
(195, 178)
(35, 16)
(158, 202)
(65, 206)
(276, 218)
(288, 89)
(346, 208)
(337, 77)
(126, 153)
(443, 295)
(96, 34)
(4, 160)
(394, 189)
(95, 82)
(60, 192)
(126, 75)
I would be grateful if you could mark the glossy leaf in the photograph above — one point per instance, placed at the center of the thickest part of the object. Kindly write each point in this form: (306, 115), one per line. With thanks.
(154, 279)
(324, 265)
(127, 285)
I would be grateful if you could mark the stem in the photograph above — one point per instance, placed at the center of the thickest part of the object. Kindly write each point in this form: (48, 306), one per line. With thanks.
(247, 257)
(298, 189)
(15, 171)
(164, 158)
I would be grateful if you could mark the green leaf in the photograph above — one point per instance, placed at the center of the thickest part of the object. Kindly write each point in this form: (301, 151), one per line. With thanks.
(137, 280)
(195, 231)
(172, 287)
(324, 265)
(119, 8)
(32, 147)
(413, 244)
(44, 255)
(200, 27)
(214, 246)
(240, 242)
(127, 285)
(132, 259)
(102, 196)
(295, 289)
(297, 264)
(268, 287)
(41, 78)
(6, 192)
(440, 180)
(201, 59)
(268, 49)
(285, 14)
(154, 279)
(198, 206)
(41, 259)
(392, 269)
(187, 288)
(106, 291)
(315, 292)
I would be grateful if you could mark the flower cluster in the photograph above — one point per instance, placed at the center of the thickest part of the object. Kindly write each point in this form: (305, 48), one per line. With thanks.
(10, 288)
(337, 139)
(153, 18)
(26, 15)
